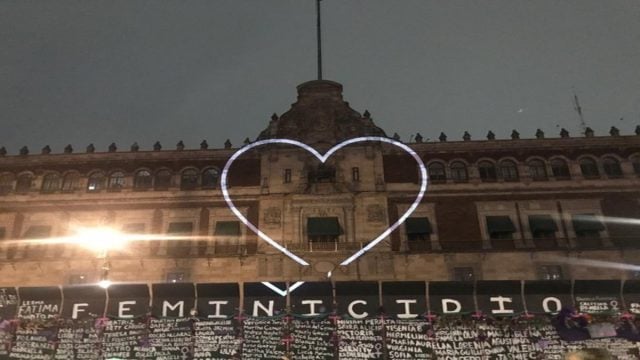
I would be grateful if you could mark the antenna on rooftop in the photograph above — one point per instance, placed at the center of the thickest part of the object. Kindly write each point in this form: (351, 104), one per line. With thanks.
(319, 35)
(578, 109)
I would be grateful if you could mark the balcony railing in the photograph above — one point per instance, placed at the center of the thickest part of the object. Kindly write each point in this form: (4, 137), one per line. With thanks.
(207, 249)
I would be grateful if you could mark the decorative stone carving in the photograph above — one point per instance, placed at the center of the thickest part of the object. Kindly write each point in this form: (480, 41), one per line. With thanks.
(491, 135)
(273, 216)
(375, 213)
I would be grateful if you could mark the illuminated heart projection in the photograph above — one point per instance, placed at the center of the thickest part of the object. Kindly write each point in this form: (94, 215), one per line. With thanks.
(323, 158)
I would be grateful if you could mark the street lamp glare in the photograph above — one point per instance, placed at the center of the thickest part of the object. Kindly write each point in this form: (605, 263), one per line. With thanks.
(104, 283)
(99, 239)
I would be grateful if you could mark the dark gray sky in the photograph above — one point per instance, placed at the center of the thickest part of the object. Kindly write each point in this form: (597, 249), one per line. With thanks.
(98, 72)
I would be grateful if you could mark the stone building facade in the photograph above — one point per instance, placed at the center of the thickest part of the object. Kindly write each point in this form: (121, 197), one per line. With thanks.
(494, 210)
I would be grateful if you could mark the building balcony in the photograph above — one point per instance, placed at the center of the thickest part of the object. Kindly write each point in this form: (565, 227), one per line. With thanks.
(212, 249)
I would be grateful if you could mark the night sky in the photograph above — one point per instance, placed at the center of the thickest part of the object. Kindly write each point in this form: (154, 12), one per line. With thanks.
(83, 72)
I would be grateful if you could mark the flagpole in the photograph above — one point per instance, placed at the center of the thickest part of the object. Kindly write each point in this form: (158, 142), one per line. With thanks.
(319, 35)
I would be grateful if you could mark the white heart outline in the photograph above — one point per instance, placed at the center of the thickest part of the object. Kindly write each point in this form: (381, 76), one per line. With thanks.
(323, 159)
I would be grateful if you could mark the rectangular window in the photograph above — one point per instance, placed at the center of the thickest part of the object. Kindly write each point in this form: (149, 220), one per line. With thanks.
(3, 233)
(587, 226)
(37, 232)
(500, 227)
(287, 176)
(355, 174)
(227, 228)
(323, 229)
(542, 227)
(183, 228)
(176, 276)
(418, 229)
(463, 274)
(550, 272)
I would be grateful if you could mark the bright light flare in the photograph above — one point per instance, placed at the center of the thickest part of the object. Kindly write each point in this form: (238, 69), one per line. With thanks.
(592, 263)
(104, 283)
(99, 239)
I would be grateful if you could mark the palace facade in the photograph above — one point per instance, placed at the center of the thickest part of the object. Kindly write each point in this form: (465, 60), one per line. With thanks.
(495, 209)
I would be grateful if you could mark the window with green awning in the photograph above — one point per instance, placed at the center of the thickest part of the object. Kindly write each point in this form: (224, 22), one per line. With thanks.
(418, 228)
(500, 227)
(587, 226)
(323, 229)
(542, 226)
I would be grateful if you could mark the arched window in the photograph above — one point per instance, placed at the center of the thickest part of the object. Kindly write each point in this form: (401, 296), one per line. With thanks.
(210, 178)
(635, 161)
(162, 180)
(458, 171)
(589, 168)
(509, 170)
(142, 180)
(612, 167)
(560, 169)
(70, 182)
(116, 181)
(51, 183)
(487, 171)
(437, 172)
(96, 181)
(538, 170)
(23, 184)
(189, 179)
(6, 184)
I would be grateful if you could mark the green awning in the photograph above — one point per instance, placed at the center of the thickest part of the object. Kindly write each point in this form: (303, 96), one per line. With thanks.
(418, 225)
(497, 224)
(587, 222)
(323, 226)
(180, 228)
(542, 223)
(37, 232)
(227, 228)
